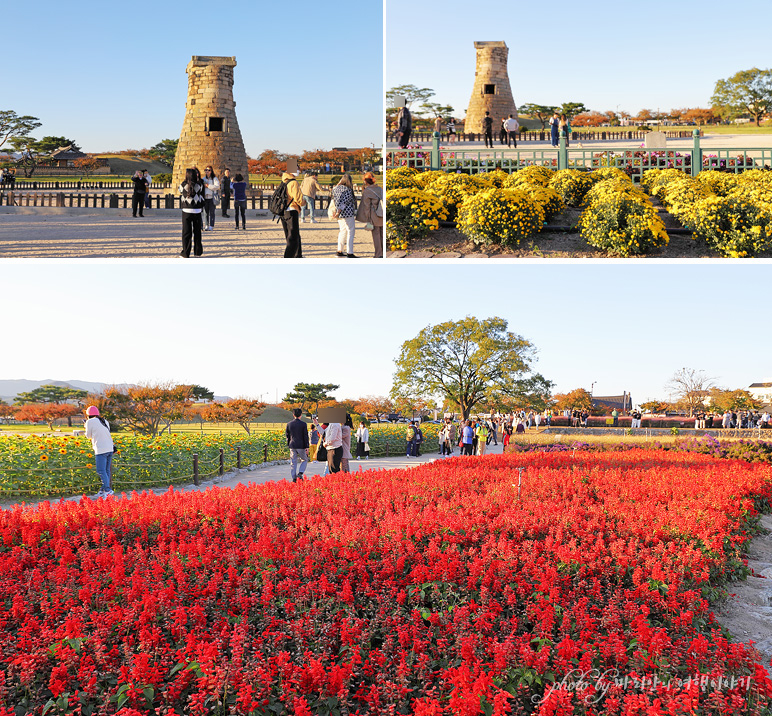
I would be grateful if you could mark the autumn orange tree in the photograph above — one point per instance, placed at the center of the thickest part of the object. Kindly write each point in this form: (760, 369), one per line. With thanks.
(87, 165)
(373, 405)
(144, 407)
(45, 412)
(241, 411)
(578, 399)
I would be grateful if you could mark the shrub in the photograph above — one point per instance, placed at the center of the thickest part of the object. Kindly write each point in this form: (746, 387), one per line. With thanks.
(532, 175)
(162, 179)
(546, 197)
(452, 189)
(500, 216)
(411, 214)
(680, 196)
(622, 225)
(572, 185)
(733, 226)
(719, 183)
(610, 187)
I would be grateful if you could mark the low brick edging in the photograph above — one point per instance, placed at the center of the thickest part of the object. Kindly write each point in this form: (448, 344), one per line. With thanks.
(646, 432)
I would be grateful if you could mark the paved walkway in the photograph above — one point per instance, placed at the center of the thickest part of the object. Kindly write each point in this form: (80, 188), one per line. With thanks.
(274, 472)
(114, 233)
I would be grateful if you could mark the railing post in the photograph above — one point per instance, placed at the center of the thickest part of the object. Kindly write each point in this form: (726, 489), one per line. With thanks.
(265, 453)
(222, 461)
(238, 457)
(696, 153)
(562, 152)
(195, 469)
(435, 160)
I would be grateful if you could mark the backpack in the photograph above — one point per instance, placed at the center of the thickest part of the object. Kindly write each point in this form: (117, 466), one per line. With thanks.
(279, 200)
(419, 436)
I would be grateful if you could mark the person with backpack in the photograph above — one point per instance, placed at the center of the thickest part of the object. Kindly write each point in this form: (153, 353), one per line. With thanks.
(285, 204)
(98, 431)
(409, 440)
(419, 438)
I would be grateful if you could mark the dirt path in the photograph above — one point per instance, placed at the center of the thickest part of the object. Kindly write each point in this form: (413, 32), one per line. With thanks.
(747, 613)
(115, 234)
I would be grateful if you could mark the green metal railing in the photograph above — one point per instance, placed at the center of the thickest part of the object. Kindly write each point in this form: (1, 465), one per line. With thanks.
(635, 161)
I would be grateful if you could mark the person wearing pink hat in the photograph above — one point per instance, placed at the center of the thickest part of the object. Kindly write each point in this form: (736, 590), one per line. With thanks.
(98, 431)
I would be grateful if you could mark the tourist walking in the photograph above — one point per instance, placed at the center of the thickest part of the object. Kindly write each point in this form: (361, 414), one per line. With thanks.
(409, 439)
(192, 190)
(211, 196)
(554, 127)
(467, 438)
(451, 127)
(310, 188)
(314, 442)
(512, 125)
(239, 188)
(345, 212)
(404, 126)
(332, 439)
(98, 431)
(370, 212)
(488, 129)
(289, 219)
(482, 437)
(225, 190)
(138, 197)
(363, 441)
(296, 432)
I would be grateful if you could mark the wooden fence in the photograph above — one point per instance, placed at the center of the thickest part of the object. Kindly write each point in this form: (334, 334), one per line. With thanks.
(113, 186)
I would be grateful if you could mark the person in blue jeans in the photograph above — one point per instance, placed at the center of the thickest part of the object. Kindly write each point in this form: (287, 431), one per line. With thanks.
(98, 431)
(239, 189)
(410, 440)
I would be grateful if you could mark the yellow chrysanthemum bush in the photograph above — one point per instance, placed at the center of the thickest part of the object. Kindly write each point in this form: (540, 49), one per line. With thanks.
(546, 197)
(401, 178)
(613, 185)
(492, 180)
(733, 225)
(533, 174)
(755, 177)
(720, 183)
(681, 195)
(606, 173)
(411, 214)
(452, 189)
(499, 216)
(572, 185)
(622, 224)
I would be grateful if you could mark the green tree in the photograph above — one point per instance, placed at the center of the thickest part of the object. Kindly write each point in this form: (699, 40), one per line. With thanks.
(571, 109)
(14, 125)
(463, 362)
(310, 393)
(49, 144)
(165, 151)
(50, 394)
(411, 93)
(531, 393)
(437, 110)
(747, 91)
(541, 111)
(199, 392)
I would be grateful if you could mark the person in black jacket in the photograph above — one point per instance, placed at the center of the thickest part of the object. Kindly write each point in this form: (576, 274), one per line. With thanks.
(488, 129)
(138, 197)
(297, 442)
(225, 192)
(192, 190)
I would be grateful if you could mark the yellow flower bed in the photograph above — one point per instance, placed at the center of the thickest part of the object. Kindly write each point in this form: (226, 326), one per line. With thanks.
(500, 216)
(572, 185)
(411, 214)
(622, 224)
(546, 197)
(734, 226)
(720, 183)
(680, 196)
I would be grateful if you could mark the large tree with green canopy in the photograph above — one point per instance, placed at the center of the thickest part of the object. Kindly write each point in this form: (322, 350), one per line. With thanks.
(464, 362)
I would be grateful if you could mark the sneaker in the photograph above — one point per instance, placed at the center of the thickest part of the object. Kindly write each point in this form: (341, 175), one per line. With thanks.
(351, 256)
(211, 228)
(108, 492)
(99, 494)
(206, 228)
(300, 476)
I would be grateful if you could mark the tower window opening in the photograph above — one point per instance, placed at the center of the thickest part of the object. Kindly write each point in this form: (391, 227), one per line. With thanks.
(216, 124)
(489, 89)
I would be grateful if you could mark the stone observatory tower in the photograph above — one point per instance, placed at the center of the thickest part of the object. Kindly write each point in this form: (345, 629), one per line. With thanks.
(210, 133)
(491, 90)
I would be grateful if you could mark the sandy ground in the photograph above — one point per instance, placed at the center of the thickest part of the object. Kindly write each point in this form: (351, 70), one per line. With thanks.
(116, 234)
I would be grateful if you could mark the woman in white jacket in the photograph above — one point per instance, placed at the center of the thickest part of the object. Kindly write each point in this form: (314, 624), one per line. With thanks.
(363, 438)
(98, 431)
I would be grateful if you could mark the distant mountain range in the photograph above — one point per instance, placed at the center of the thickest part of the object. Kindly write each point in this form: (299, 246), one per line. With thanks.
(9, 389)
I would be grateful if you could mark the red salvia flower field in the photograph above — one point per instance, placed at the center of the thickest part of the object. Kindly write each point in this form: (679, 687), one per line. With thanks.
(431, 591)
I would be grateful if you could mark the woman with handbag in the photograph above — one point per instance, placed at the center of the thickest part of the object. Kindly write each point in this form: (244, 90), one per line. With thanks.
(345, 213)
(370, 212)
(211, 196)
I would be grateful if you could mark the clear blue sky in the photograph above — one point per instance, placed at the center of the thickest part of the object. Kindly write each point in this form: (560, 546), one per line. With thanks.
(258, 329)
(112, 75)
(652, 54)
